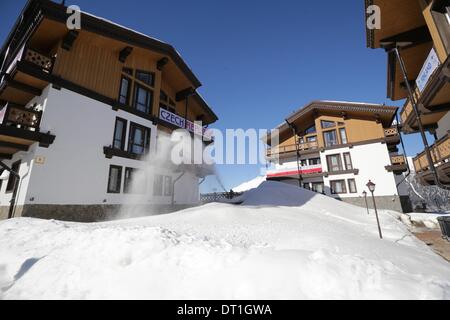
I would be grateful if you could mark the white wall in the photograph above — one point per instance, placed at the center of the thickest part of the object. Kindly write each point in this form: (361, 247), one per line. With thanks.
(76, 170)
(443, 126)
(371, 160)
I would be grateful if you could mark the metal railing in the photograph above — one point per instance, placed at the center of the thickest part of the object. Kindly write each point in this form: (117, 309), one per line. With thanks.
(440, 152)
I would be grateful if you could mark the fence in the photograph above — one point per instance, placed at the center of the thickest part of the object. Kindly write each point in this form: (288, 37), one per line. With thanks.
(219, 197)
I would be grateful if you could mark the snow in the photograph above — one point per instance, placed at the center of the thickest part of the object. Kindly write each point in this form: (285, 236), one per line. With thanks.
(252, 184)
(429, 220)
(281, 243)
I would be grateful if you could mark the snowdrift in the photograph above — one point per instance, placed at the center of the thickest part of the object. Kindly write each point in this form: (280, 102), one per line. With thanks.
(281, 243)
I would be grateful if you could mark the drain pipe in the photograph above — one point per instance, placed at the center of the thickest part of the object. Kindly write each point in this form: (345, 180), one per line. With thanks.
(297, 148)
(12, 205)
(404, 152)
(173, 186)
(419, 121)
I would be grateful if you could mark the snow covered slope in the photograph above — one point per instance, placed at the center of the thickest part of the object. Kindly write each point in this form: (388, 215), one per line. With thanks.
(284, 242)
(252, 184)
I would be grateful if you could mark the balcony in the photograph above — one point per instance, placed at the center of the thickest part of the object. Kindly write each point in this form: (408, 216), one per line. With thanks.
(19, 129)
(392, 136)
(440, 153)
(27, 74)
(305, 171)
(292, 149)
(398, 165)
(432, 95)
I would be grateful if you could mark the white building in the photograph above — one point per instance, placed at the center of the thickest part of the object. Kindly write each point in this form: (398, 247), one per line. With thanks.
(338, 147)
(81, 109)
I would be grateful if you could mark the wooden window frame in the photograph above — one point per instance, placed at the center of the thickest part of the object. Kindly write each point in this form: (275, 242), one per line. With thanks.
(131, 137)
(161, 188)
(348, 166)
(124, 134)
(330, 167)
(325, 140)
(338, 181)
(168, 190)
(350, 188)
(326, 128)
(149, 99)
(128, 96)
(152, 85)
(340, 135)
(109, 190)
(317, 183)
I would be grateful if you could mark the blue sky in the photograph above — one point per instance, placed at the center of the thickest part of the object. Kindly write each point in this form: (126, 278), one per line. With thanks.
(258, 60)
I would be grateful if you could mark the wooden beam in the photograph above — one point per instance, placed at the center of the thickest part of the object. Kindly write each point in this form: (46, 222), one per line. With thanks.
(183, 94)
(24, 87)
(18, 146)
(124, 53)
(69, 40)
(161, 63)
(412, 37)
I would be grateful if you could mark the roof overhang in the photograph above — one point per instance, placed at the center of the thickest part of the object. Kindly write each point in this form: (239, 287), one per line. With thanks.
(401, 20)
(303, 118)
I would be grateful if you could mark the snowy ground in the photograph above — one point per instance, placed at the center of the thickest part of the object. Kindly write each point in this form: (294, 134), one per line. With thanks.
(283, 243)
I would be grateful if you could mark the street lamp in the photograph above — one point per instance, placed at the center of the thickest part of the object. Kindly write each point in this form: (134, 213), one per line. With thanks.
(365, 199)
(371, 187)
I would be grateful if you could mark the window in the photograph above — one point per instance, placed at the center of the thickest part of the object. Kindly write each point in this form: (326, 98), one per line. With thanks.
(134, 183)
(343, 136)
(311, 139)
(314, 161)
(146, 77)
(12, 178)
(330, 138)
(115, 179)
(143, 99)
(318, 187)
(327, 124)
(306, 186)
(338, 187)
(125, 86)
(168, 186)
(168, 108)
(119, 134)
(162, 186)
(139, 140)
(163, 96)
(304, 163)
(128, 71)
(352, 186)
(310, 130)
(348, 161)
(334, 163)
(158, 185)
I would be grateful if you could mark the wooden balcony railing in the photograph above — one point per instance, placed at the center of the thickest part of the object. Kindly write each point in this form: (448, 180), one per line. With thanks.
(292, 148)
(440, 152)
(398, 160)
(20, 117)
(391, 132)
(38, 59)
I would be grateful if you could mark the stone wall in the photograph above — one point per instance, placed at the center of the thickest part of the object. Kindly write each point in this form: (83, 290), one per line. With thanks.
(88, 213)
(396, 203)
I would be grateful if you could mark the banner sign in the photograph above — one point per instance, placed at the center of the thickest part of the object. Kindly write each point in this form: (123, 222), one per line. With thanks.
(178, 121)
(431, 64)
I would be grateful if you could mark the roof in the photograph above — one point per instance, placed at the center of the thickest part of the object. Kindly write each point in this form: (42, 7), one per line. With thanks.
(385, 114)
(104, 27)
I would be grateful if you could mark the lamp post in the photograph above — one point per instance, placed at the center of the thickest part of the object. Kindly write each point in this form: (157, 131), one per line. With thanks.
(365, 199)
(371, 187)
